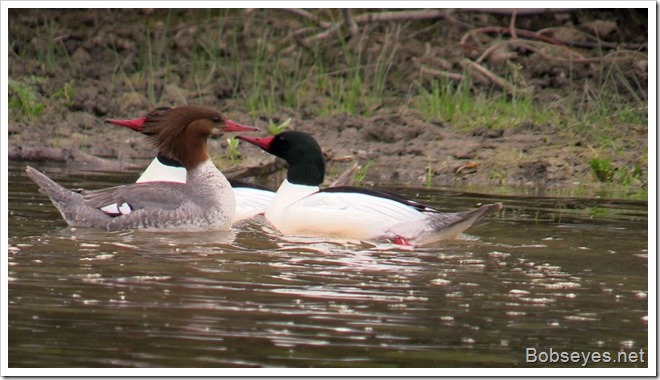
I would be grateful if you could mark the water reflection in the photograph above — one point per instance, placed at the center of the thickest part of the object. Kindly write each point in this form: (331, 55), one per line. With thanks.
(252, 298)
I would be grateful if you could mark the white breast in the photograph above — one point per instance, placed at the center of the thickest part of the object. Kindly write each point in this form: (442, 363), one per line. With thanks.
(157, 171)
(251, 202)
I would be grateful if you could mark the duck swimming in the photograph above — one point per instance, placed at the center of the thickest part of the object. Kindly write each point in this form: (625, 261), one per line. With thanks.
(301, 208)
(204, 202)
(251, 199)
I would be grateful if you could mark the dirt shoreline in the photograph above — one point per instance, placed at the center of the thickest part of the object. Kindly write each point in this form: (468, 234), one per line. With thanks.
(521, 158)
(399, 143)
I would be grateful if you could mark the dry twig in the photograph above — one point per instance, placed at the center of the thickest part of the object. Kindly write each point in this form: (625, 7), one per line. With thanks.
(518, 11)
(308, 16)
(423, 14)
(352, 25)
(496, 79)
(523, 33)
(512, 24)
(437, 73)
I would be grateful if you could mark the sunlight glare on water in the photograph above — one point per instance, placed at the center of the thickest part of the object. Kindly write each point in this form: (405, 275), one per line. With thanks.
(252, 298)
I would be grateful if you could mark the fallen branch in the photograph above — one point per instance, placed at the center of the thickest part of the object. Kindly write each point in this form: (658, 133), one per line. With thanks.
(424, 14)
(497, 80)
(518, 11)
(606, 45)
(36, 154)
(538, 47)
(252, 169)
(350, 22)
(596, 42)
(512, 24)
(442, 73)
(437, 73)
(523, 33)
(494, 47)
(74, 157)
(308, 16)
(321, 36)
(503, 30)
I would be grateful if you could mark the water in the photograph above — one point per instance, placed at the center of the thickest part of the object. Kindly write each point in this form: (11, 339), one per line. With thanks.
(546, 274)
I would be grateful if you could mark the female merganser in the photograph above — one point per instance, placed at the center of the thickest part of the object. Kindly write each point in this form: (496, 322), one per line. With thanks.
(251, 199)
(300, 208)
(204, 202)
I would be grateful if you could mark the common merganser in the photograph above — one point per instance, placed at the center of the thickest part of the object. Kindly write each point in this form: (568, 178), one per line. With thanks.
(204, 202)
(251, 199)
(301, 208)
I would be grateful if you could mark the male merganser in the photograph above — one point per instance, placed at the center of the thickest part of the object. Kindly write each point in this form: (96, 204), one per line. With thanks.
(251, 199)
(301, 208)
(204, 202)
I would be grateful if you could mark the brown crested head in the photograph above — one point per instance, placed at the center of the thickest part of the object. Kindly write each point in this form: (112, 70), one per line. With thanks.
(180, 133)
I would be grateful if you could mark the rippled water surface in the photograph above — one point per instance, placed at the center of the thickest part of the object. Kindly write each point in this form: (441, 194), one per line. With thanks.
(565, 274)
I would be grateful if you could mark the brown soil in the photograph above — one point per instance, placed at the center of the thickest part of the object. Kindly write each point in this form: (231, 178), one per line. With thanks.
(403, 146)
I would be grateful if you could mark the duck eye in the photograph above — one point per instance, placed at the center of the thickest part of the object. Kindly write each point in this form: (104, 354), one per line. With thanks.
(215, 119)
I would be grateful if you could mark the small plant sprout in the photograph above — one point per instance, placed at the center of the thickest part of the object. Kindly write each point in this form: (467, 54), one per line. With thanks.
(603, 168)
(362, 172)
(274, 128)
(66, 93)
(428, 181)
(232, 149)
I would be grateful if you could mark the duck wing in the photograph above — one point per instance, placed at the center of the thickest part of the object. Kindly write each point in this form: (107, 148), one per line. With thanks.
(359, 205)
(147, 195)
(383, 194)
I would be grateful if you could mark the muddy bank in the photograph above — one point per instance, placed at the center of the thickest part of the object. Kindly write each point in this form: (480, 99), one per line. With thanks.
(88, 65)
(420, 154)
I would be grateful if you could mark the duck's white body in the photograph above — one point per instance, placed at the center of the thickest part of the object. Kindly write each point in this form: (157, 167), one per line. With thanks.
(306, 211)
(302, 210)
(251, 202)
(158, 171)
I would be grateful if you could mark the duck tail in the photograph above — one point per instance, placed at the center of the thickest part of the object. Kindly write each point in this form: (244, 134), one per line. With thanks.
(70, 204)
(449, 226)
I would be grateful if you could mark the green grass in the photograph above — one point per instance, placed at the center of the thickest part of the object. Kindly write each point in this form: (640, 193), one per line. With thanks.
(605, 171)
(454, 104)
(24, 101)
(602, 168)
(445, 101)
